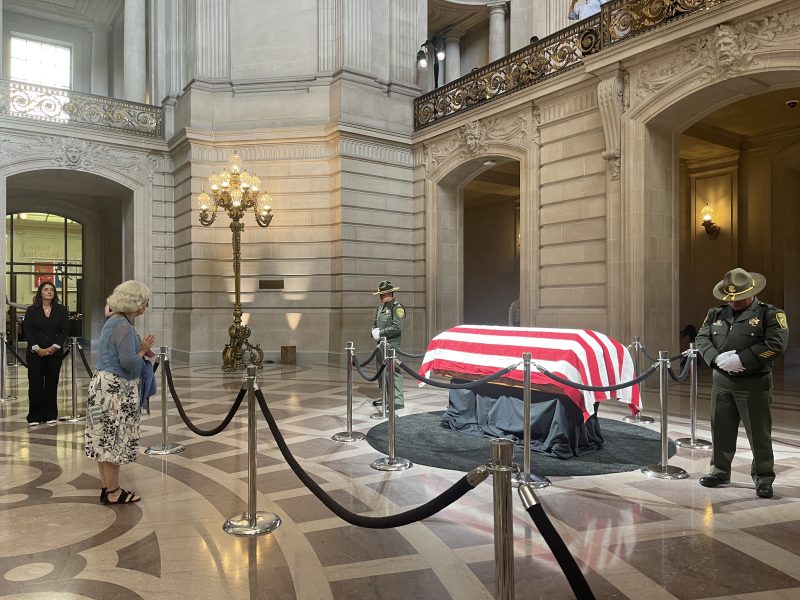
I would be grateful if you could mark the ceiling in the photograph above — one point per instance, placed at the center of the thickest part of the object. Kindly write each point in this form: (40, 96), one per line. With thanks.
(446, 15)
(498, 183)
(730, 127)
(80, 13)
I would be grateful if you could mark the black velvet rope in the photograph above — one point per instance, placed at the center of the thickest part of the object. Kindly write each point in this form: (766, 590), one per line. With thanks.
(17, 356)
(369, 359)
(65, 354)
(85, 362)
(430, 508)
(364, 375)
(407, 355)
(655, 358)
(580, 587)
(683, 374)
(457, 386)
(597, 388)
(203, 432)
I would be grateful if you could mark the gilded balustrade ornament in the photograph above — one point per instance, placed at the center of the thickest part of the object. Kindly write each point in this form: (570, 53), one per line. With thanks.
(617, 21)
(235, 193)
(55, 105)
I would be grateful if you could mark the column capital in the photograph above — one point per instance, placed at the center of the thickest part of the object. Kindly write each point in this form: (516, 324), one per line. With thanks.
(495, 7)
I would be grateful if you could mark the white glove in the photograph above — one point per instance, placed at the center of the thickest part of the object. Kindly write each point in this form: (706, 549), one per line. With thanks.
(722, 357)
(731, 364)
(376, 334)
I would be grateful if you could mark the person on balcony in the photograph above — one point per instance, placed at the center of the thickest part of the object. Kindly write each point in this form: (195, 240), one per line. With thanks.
(583, 9)
(45, 326)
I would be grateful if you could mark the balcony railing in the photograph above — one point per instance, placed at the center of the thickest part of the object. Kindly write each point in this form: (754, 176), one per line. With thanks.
(618, 20)
(55, 105)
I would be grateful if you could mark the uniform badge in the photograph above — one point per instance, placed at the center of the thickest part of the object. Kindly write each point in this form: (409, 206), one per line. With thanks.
(754, 321)
(732, 289)
(400, 312)
(782, 322)
(717, 322)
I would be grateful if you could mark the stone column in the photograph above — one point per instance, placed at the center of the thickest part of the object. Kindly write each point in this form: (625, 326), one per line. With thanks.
(135, 52)
(452, 59)
(497, 30)
(99, 59)
(2, 45)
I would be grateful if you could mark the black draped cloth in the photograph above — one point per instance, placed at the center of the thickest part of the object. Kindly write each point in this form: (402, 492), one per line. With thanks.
(557, 426)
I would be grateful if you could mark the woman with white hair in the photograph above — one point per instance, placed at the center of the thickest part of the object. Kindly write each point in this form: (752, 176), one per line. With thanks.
(113, 408)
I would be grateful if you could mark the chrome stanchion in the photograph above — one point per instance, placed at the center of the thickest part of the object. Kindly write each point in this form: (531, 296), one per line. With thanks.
(640, 417)
(526, 477)
(692, 441)
(3, 367)
(165, 447)
(501, 453)
(391, 462)
(664, 470)
(252, 522)
(73, 351)
(381, 412)
(349, 435)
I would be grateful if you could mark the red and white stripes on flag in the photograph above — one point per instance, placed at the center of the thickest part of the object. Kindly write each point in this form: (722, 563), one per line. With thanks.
(580, 355)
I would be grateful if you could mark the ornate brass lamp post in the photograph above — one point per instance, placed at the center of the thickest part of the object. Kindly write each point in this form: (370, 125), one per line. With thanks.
(235, 192)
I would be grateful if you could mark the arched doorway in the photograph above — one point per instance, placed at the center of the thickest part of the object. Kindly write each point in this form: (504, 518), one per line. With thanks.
(92, 207)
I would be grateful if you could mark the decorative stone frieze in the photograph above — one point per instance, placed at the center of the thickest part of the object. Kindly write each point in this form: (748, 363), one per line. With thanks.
(479, 137)
(729, 50)
(610, 101)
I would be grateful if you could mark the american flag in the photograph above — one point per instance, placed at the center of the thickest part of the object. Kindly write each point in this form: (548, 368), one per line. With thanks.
(580, 355)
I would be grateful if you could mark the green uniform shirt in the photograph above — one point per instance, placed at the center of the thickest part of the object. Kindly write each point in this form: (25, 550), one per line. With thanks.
(759, 335)
(389, 319)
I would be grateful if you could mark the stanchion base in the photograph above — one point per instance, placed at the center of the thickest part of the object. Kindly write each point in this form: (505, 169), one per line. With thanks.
(392, 464)
(7, 399)
(241, 524)
(379, 415)
(697, 444)
(640, 418)
(537, 482)
(348, 436)
(168, 449)
(664, 472)
(77, 419)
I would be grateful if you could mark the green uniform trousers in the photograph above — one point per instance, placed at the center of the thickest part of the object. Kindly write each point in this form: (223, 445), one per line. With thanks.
(746, 400)
(399, 400)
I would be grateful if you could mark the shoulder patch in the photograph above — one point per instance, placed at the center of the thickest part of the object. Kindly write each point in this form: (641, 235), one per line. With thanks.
(782, 322)
(400, 311)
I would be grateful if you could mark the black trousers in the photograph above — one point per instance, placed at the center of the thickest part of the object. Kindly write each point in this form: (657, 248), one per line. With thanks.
(43, 374)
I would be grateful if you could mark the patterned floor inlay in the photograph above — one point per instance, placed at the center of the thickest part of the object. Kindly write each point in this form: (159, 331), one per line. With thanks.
(632, 536)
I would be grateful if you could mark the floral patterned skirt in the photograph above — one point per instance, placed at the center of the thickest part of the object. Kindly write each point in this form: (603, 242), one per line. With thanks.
(112, 419)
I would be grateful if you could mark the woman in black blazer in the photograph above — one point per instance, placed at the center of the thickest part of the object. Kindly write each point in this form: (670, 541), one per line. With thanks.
(45, 325)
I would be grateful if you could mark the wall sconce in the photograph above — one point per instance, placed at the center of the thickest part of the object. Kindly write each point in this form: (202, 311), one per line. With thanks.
(712, 229)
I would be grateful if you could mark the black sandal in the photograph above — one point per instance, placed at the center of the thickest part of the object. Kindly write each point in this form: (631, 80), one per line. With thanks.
(125, 497)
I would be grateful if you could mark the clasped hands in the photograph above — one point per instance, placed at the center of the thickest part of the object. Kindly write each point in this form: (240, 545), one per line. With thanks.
(729, 361)
(47, 351)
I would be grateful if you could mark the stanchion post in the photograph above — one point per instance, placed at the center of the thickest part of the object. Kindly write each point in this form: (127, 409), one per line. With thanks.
(252, 522)
(640, 417)
(664, 470)
(501, 456)
(381, 412)
(73, 350)
(391, 462)
(526, 477)
(166, 447)
(3, 367)
(349, 435)
(692, 441)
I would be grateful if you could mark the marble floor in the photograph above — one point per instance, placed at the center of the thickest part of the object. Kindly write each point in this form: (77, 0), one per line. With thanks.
(633, 536)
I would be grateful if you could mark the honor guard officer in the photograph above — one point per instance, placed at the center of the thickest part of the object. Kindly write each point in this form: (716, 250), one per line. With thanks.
(388, 323)
(740, 340)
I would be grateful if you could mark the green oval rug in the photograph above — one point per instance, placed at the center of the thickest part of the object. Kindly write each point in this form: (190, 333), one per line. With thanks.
(421, 439)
